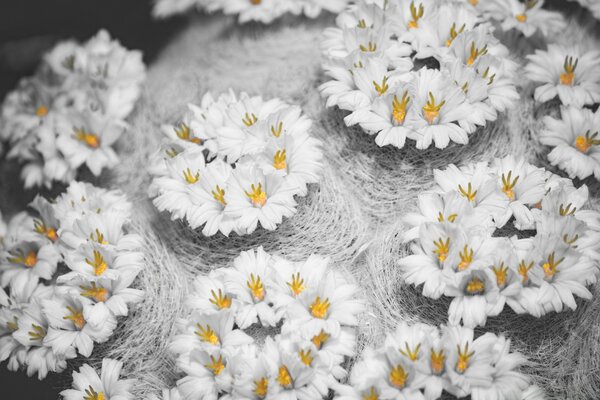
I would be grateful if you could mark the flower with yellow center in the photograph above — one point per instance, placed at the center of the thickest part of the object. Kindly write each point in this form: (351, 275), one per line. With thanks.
(412, 354)
(524, 271)
(190, 177)
(454, 33)
(97, 293)
(75, 316)
(216, 366)
(261, 387)
(91, 140)
(398, 377)
(257, 196)
(249, 119)
(466, 258)
(584, 143)
(91, 394)
(256, 287)
(279, 160)
(220, 300)
(442, 249)
(382, 88)
(206, 334)
(371, 395)
(184, 132)
(219, 195)
(416, 14)
(41, 111)
(508, 185)
(319, 308)
(320, 339)
(568, 77)
(37, 334)
(306, 357)
(475, 286)
(475, 53)
(45, 230)
(469, 194)
(431, 109)
(501, 273)
(29, 260)
(283, 377)
(551, 265)
(296, 285)
(464, 356)
(399, 107)
(437, 361)
(98, 263)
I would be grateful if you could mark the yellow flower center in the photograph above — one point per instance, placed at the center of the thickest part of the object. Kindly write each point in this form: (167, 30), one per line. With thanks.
(412, 354)
(469, 193)
(416, 14)
(399, 107)
(463, 358)
(249, 119)
(257, 195)
(451, 217)
(475, 287)
(508, 185)
(279, 160)
(371, 395)
(261, 387)
(29, 260)
(466, 258)
(91, 140)
(524, 271)
(277, 131)
(219, 195)
(220, 300)
(584, 143)
(437, 361)
(454, 33)
(76, 317)
(568, 77)
(521, 17)
(215, 366)
(369, 48)
(256, 287)
(98, 264)
(442, 248)
(431, 110)
(501, 273)
(296, 285)
(306, 357)
(97, 293)
(381, 88)
(398, 377)
(184, 132)
(207, 335)
(283, 377)
(190, 177)
(91, 394)
(475, 53)
(320, 339)
(37, 334)
(319, 308)
(41, 111)
(44, 230)
(551, 265)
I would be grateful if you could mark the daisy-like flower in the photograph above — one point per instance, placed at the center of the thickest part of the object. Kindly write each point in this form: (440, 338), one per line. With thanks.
(88, 385)
(529, 17)
(91, 261)
(569, 73)
(28, 261)
(207, 375)
(209, 294)
(399, 379)
(575, 141)
(364, 379)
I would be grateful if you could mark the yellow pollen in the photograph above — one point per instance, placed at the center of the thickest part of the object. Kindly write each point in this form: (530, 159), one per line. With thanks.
(475, 53)
(369, 48)
(463, 358)
(38, 333)
(41, 111)
(466, 258)
(296, 285)
(207, 334)
(451, 217)
(76, 317)
(305, 357)
(454, 33)
(437, 361)
(383, 88)
(29, 260)
(319, 308)
(551, 265)
(216, 366)
(98, 264)
(261, 387)
(219, 195)
(572, 241)
(524, 271)
(568, 77)
(283, 377)
(320, 339)
(416, 15)
(91, 394)
(398, 377)
(501, 273)
(371, 395)
(442, 249)
(13, 325)
(257, 196)
(89, 139)
(521, 17)
(431, 110)
(475, 287)
(277, 131)
(191, 178)
(566, 211)
(220, 300)
(279, 160)
(97, 293)
(399, 107)
(184, 132)
(249, 120)
(584, 143)
(508, 185)
(362, 24)
(469, 193)
(413, 355)
(256, 287)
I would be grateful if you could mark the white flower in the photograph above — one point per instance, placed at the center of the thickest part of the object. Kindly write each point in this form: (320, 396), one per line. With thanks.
(529, 17)
(209, 294)
(575, 141)
(107, 386)
(569, 73)
(364, 379)
(207, 375)
(27, 261)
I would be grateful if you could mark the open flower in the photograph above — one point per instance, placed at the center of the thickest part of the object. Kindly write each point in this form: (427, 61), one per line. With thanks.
(209, 294)
(529, 17)
(27, 261)
(207, 375)
(87, 384)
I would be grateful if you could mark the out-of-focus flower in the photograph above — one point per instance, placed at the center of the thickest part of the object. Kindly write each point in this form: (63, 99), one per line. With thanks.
(87, 384)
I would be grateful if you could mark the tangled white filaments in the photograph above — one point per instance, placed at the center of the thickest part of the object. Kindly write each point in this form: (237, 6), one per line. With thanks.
(67, 267)
(458, 250)
(234, 162)
(73, 110)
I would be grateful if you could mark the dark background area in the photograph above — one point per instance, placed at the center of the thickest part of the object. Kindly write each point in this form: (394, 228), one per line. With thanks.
(28, 28)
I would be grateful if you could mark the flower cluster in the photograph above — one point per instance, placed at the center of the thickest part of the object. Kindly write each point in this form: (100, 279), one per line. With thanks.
(68, 268)
(459, 252)
(264, 11)
(418, 362)
(528, 16)
(234, 162)
(417, 69)
(72, 111)
(88, 385)
(315, 307)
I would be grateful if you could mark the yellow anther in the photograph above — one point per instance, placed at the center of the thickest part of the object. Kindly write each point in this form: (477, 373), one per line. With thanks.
(97, 293)
(296, 285)
(431, 110)
(551, 265)
(566, 211)
(412, 354)
(91, 394)
(451, 217)
(256, 287)
(249, 119)
(76, 317)
(261, 387)
(475, 53)
(508, 185)
(442, 248)
(464, 356)
(28, 260)
(216, 366)
(571, 241)
(190, 177)
(371, 395)
(383, 88)
(398, 377)
(98, 264)
(38, 333)
(219, 195)
(416, 14)
(45, 230)
(475, 287)
(568, 77)
(469, 193)
(99, 238)
(437, 361)
(279, 160)
(184, 132)
(524, 271)
(220, 300)
(306, 357)
(466, 258)
(369, 48)
(207, 334)
(277, 131)
(41, 111)
(454, 33)
(486, 74)
(362, 24)
(584, 143)
(399, 107)
(257, 195)
(320, 339)
(319, 308)
(13, 325)
(89, 139)
(283, 377)
(501, 273)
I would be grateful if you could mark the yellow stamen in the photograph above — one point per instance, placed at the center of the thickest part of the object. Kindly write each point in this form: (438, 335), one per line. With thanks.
(98, 264)
(277, 131)
(383, 88)
(524, 271)
(41, 111)
(261, 387)
(469, 193)
(475, 287)
(219, 195)
(256, 287)
(371, 395)
(416, 15)
(442, 249)
(306, 357)
(437, 362)
(398, 377)
(44, 230)
(475, 53)
(399, 107)
(257, 196)
(216, 366)
(220, 300)
(413, 355)
(29, 260)
(551, 265)
(431, 110)
(207, 334)
(296, 285)
(91, 394)
(463, 358)
(99, 237)
(283, 377)
(184, 132)
(172, 152)
(319, 308)
(89, 139)
(466, 258)
(451, 217)
(320, 339)
(566, 211)
(76, 317)
(369, 48)
(249, 120)
(362, 24)
(584, 143)
(191, 178)
(491, 77)
(508, 185)
(97, 293)
(568, 77)
(38, 333)
(501, 273)
(454, 33)
(521, 17)
(279, 160)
